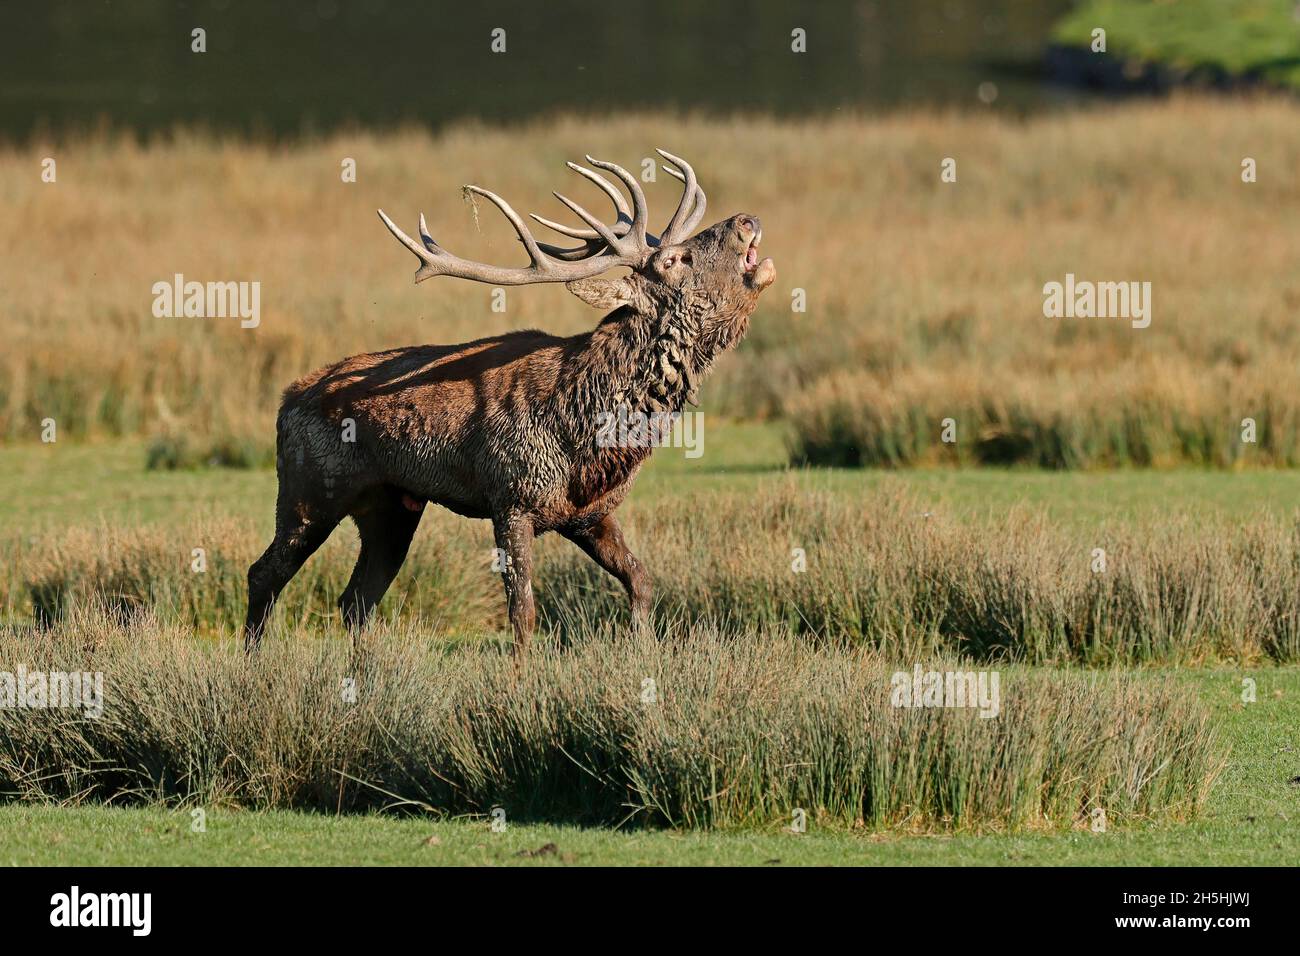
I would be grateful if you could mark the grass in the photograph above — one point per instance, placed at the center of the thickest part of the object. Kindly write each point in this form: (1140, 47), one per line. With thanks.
(61, 490)
(878, 573)
(49, 487)
(1250, 39)
(1248, 820)
(737, 731)
(771, 682)
(987, 565)
(1151, 414)
(898, 307)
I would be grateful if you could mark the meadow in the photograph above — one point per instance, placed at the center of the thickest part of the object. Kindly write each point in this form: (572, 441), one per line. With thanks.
(691, 728)
(904, 323)
(756, 715)
(1098, 533)
(990, 565)
(1243, 41)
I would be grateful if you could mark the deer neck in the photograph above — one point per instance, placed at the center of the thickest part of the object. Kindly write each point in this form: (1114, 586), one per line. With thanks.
(639, 363)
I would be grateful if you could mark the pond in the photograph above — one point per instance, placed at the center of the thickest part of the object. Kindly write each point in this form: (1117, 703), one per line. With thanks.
(284, 71)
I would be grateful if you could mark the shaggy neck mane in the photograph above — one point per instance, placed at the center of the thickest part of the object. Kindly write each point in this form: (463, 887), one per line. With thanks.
(644, 363)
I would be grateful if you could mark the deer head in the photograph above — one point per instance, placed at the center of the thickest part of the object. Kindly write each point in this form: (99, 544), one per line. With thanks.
(716, 274)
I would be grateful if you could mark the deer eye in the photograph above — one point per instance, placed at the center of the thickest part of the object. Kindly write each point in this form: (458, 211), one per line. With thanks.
(686, 258)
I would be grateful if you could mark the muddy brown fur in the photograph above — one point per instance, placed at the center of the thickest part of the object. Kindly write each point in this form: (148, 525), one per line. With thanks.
(504, 428)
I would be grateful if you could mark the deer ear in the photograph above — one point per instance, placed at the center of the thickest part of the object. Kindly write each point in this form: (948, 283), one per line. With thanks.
(606, 293)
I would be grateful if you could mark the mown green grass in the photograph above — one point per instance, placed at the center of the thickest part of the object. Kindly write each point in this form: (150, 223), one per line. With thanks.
(67, 483)
(1240, 38)
(1250, 820)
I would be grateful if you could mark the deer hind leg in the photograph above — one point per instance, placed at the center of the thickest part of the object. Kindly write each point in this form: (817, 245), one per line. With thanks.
(300, 528)
(387, 520)
(603, 542)
(514, 541)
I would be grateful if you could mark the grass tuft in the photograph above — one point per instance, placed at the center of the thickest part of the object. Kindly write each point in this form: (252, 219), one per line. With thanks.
(880, 570)
(740, 731)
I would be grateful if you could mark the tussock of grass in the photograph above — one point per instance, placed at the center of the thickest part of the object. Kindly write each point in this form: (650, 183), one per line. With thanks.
(880, 571)
(884, 571)
(742, 730)
(172, 452)
(1138, 414)
(130, 570)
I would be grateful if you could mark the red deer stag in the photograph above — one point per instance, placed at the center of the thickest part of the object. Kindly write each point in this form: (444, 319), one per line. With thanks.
(506, 428)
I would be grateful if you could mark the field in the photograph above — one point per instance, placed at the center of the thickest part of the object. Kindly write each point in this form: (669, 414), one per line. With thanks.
(1099, 535)
(1241, 817)
(1255, 41)
(904, 325)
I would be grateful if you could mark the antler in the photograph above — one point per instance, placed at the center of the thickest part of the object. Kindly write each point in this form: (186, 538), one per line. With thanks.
(626, 243)
(691, 208)
(688, 215)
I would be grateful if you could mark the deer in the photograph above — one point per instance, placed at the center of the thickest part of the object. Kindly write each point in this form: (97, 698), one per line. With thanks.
(504, 428)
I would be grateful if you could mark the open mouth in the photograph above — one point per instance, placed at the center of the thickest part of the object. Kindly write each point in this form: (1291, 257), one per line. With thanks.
(751, 254)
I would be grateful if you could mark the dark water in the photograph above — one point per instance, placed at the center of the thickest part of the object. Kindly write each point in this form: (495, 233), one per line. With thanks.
(286, 69)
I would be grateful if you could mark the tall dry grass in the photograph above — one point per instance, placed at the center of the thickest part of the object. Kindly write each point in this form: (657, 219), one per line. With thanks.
(738, 732)
(1146, 413)
(880, 572)
(926, 295)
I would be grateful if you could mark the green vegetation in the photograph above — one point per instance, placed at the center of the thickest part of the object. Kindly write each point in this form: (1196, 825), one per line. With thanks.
(568, 740)
(52, 487)
(771, 682)
(914, 565)
(1238, 39)
(1248, 819)
(690, 729)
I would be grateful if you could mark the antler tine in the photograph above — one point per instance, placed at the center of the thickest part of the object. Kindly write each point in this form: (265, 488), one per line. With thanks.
(525, 236)
(606, 186)
(637, 233)
(573, 232)
(697, 208)
(590, 247)
(625, 244)
(672, 232)
(592, 241)
(620, 204)
(576, 254)
(426, 238)
(697, 212)
(691, 208)
(425, 255)
(600, 228)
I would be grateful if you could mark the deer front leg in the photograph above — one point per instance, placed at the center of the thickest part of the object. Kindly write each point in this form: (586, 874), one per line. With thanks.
(514, 540)
(603, 542)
